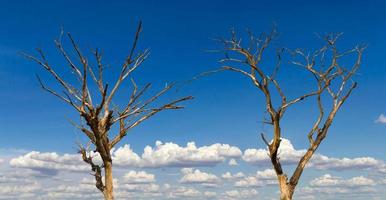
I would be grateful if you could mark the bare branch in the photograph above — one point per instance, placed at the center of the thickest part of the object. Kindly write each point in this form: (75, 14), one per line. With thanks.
(244, 73)
(265, 140)
(300, 98)
(169, 106)
(67, 100)
(129, 60)
(85, 91)
(65, 55)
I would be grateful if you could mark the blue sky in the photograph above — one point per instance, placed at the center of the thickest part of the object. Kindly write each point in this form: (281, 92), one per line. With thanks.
(226, 108)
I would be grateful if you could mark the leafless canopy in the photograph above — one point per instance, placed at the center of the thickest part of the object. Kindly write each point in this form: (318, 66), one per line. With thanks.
(324, 65)
(100, 116)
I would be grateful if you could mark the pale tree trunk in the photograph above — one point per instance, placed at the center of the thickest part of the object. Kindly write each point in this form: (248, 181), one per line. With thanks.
(109, 189)
(286, 189)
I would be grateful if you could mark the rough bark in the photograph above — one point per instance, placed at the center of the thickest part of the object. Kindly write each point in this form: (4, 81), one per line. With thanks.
(286, 190)
(109, 188)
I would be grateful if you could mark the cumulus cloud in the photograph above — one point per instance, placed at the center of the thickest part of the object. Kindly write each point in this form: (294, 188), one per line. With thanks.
(210, 194)
(333, 181)
(162, 155)
(233, 162)
(143, 185)
(14, 191)
(138, 177)
(147, 188)
(173, 155)
(71, 192)
(331, 186)
(250, 181)
(324, 162)
(21, 184)
(229, 176)
(287, 153)
(240, 194)
(334, 191)
(186, 192)
(382, 168)
(267, 174)
(140, 186)
(261, 178)
(196, 176)
(50, 162)
(381, 119)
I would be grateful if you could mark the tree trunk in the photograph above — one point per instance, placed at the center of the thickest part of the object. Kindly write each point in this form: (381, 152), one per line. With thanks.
(108, 191)
(286, 190)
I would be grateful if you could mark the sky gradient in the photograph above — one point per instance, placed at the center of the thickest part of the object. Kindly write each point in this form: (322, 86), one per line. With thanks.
(227, 109)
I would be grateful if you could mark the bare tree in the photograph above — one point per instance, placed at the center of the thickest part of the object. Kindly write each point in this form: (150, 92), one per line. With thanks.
(101, 116)
(331, 78)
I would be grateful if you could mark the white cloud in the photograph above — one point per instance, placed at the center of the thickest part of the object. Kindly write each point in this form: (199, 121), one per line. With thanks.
(229, 176)
(233, 162)
(125, 156)
(250, 181)
(147, 188)
(173, 155)
(381, 119)
(196, 176)
(71, 191)
(332, 181)
(382, 181)
(261, 178)
(287, 154)
(143, 185)
(170, 154)
(14, 191)
(138, 177)
(239, 194)
(324, 190)
(183, 192)
(267, 174)
(382, 168)
(324, 163)
(162, 155)
(329, 187)
(19, 184)
(138, 189)
(210, 194)
(50, 161)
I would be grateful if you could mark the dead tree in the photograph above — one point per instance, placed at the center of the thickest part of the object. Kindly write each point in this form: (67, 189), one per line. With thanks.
(100, 116)
(333, 80)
